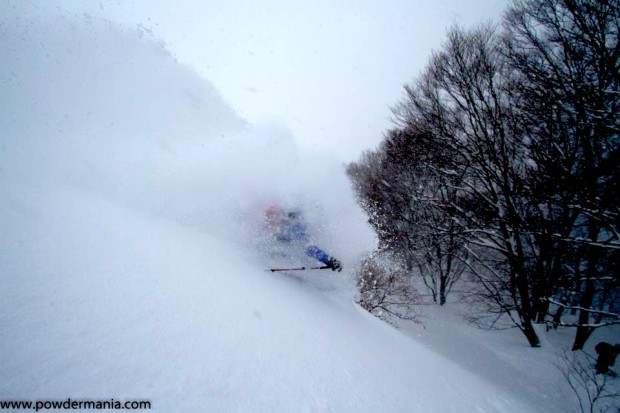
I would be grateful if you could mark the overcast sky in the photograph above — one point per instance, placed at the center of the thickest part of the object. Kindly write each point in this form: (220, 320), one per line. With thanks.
(327, 69)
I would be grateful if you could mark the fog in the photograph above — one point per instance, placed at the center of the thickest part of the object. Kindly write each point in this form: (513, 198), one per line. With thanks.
(92, 104)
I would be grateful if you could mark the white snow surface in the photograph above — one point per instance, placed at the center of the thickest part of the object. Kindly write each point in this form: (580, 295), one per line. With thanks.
(128, 190)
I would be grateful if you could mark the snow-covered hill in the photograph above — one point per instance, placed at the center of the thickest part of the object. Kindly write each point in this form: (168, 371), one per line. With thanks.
(125, 269)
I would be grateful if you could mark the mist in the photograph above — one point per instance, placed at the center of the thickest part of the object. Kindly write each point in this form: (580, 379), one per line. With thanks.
(91, 104)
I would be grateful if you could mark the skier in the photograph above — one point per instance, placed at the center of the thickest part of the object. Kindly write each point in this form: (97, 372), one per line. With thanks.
(606, 357)
(289, 228)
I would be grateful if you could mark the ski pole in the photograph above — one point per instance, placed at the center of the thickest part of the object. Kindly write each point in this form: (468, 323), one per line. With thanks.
(297, 269)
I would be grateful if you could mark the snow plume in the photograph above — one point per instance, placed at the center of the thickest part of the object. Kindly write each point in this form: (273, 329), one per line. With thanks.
(90, 104)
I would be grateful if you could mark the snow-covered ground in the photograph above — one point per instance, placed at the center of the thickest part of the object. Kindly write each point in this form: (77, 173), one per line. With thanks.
(127, 194)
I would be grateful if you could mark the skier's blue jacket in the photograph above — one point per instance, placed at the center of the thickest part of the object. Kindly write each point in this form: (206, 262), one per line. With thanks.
(293, 231)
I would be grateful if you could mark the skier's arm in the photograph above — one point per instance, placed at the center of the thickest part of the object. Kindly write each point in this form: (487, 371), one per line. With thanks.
(320, 255)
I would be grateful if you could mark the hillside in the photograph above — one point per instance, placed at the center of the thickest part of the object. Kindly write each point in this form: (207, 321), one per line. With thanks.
(128, 187)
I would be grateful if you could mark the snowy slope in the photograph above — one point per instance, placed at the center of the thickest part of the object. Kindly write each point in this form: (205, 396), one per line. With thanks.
(124, 272)
(101, 301)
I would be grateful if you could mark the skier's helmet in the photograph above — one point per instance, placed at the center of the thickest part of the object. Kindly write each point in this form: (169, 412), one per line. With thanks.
(294, 213)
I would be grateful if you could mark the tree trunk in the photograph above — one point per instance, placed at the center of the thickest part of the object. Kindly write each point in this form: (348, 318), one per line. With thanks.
(584, 332)
(557, 317)
(442, 290)
(525, 311)
(542, 310)
(587, 299)
(530, 333)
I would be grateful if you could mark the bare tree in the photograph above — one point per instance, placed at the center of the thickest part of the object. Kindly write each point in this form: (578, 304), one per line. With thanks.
(385, 291)
(432, 240)
(463, 100)
(566, 56)
(505, 163)
(595, 392)
(400, 196)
